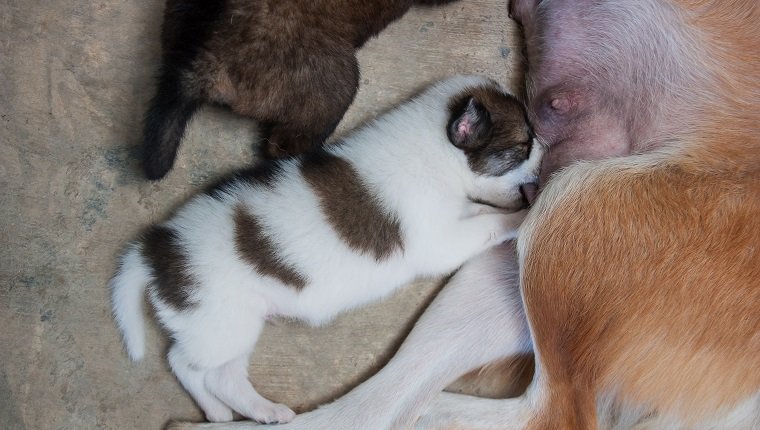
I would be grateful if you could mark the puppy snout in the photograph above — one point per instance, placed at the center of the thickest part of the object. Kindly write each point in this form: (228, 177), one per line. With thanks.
(529, 192)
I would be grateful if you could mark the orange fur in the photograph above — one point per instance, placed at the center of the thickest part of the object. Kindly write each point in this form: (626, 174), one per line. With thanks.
(641, 275)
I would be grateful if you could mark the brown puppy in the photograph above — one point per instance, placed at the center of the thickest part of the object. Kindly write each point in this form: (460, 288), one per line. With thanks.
(639, 267)
(289, 64)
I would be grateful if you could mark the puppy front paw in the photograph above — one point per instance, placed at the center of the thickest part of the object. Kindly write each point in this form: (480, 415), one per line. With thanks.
(510, 223)
(273, 413)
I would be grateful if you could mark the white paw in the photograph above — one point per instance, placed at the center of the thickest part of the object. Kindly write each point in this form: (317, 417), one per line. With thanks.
(272, 413)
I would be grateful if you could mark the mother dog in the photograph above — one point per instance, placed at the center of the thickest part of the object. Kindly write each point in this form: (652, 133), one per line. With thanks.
(639, 267)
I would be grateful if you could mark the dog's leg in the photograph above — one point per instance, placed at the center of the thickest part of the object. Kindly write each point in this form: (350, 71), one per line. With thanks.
(476, 319)
(458, 411)
(210, 358)
(230, 384)
(551, 402)
(543, 406)
(192, 379)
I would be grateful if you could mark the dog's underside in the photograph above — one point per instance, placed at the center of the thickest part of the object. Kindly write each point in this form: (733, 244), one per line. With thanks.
(638, 284)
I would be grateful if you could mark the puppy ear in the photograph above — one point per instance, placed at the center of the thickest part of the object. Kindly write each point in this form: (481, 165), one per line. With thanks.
(469, 124)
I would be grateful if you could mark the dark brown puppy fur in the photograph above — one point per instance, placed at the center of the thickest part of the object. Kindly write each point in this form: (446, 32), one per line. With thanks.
(497, 136)
(289, 64)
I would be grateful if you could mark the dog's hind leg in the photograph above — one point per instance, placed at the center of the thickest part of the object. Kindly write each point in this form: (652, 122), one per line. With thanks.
(476, 319)
(230, 384)
(545, 405)
(459, 411)
(192, 379)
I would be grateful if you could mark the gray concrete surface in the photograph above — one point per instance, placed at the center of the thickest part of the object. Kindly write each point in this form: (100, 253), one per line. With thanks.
(76, 77)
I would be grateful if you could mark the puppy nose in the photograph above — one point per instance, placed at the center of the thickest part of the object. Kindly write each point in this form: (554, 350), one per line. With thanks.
(529, 191)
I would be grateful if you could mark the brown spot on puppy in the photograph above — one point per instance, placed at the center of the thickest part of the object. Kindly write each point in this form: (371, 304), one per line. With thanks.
(491, 128)
(173, 283)
(258, 250)
(350, 207)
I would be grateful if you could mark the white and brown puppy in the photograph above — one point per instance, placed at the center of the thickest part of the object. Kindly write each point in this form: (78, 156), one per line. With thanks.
(639, 267)
(415, 193)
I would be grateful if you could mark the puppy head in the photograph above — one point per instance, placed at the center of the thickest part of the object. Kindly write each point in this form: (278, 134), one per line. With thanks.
(491, 128)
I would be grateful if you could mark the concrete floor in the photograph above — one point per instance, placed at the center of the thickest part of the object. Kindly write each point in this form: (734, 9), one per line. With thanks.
(76, 78)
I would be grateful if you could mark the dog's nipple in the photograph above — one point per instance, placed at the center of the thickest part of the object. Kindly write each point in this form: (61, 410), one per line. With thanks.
(561, 105)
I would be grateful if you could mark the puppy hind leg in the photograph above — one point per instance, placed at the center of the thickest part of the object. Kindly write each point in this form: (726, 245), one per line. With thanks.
(320, 98)
(226, 375)
(192, 379)
(281, 140)
(229, 382)
(215, 342)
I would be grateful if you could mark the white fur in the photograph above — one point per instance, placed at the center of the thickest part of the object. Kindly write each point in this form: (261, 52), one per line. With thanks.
(407, 161)
(127, 302)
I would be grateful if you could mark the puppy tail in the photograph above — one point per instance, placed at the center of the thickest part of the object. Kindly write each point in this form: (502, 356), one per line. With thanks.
(127, 298)
(165, 123)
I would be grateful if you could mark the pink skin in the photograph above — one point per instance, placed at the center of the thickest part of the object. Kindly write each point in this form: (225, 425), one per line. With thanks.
(595, 82)
(563, 104)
